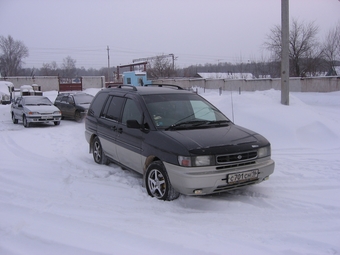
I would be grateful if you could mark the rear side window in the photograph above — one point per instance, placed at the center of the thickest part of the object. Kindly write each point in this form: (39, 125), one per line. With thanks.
(97, 104)
(113, 108)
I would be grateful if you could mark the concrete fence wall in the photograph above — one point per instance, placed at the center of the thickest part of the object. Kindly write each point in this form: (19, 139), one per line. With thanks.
(49, 83)
(93, 82)
(317, 84)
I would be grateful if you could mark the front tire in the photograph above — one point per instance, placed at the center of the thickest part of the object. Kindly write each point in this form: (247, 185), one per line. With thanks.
(15, 121)
(158, 184)
(98, 154)
(57, 123)
(24, 121)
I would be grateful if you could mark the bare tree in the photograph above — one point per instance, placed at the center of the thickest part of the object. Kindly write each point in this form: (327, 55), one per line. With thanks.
(69, 67)
(11, 55)
(160, 67)
(331, 46)
(304, 48)
(49, 69)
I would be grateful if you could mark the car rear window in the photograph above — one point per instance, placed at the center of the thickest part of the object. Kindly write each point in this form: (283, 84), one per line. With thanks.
(97, 104)
(83, 99)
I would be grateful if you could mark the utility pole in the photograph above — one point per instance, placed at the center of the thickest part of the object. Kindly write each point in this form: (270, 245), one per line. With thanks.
(173, 61)
(108, 64)
(285, 52)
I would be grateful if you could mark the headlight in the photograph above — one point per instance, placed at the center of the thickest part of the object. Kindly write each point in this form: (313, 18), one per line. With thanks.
(202, 160)
(57, 112)
(33, 113)
(195, 161)
(264, 152)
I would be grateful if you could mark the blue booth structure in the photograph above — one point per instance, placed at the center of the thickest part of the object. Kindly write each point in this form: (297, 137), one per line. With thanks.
(135, 78)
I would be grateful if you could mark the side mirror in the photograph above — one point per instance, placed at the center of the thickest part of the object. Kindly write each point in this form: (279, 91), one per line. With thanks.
(133, 124)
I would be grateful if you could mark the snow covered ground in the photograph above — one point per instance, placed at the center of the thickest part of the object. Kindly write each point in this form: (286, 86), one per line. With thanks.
(55, 200)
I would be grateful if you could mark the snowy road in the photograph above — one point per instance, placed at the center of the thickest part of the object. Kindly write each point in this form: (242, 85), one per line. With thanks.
(55, 200)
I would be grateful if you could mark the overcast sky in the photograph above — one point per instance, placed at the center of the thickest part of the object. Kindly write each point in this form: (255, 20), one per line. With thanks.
(195, 31)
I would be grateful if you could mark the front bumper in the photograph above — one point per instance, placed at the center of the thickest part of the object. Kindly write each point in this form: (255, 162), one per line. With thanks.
(5, 102)
(43, 119)
(208, 180)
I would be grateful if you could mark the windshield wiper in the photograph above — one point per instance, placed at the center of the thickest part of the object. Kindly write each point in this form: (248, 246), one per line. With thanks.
(190, 123)
(218, 122)
(197, 123)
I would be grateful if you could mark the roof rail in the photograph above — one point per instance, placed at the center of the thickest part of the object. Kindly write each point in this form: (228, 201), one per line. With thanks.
(163, 85)
(128, 86)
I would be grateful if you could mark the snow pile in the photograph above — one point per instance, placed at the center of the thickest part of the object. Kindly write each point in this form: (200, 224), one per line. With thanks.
(55, 200)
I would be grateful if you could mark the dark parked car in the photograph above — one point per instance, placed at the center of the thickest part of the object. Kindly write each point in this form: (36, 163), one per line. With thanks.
(176, 139)
(34, 109)
(73, 105)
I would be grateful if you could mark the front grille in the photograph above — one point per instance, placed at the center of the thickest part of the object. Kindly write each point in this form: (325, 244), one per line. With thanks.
(235, 165)
(237, 157)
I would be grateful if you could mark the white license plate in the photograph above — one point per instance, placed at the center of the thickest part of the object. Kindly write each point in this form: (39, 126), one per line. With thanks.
(47, 117)
(243, 176)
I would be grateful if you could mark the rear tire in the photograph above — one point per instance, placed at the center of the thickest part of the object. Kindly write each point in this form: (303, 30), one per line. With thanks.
(158, 184)
(98, 154)
(77, 116)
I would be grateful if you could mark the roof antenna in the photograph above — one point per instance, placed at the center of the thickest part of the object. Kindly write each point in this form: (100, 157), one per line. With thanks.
(232, 104)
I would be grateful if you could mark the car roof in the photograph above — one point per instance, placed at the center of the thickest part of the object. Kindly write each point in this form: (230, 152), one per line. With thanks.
(149, 89)
(34, 97)
(76, 93)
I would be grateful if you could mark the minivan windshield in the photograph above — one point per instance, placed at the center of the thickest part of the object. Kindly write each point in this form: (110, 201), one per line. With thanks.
(183, 111)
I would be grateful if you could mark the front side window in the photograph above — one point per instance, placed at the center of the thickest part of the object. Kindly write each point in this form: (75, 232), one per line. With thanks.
(131, 112)
(58, 99)
(64, 99)
(70, 100)
(18, 101)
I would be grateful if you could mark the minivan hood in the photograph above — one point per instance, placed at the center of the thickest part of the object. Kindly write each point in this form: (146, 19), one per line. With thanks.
(226, 139)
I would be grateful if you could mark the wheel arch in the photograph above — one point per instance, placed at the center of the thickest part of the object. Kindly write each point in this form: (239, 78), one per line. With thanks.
(148, 161)
(169, 192)
(93, 136)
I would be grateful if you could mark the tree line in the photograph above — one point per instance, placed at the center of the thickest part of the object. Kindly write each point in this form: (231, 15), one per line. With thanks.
(308, 57)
